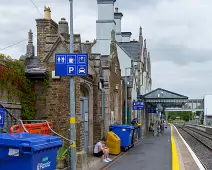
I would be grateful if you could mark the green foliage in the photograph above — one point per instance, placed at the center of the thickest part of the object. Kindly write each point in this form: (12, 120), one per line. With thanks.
(62, 153)
(186, 116)
(13, 80)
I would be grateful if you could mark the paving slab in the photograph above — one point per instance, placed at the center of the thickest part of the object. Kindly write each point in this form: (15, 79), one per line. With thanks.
(153, 153)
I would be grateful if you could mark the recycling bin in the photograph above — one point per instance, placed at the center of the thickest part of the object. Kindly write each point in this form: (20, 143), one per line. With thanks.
(28, 152)
(125, 133)
(113, 143)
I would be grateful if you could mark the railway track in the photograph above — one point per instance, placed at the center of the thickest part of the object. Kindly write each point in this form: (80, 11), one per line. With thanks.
(200, 143)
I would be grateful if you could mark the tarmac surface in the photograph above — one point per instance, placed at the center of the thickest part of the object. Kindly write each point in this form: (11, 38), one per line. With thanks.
(153, 153)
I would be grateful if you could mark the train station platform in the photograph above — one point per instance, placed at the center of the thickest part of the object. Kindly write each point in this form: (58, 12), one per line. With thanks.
(168, 151)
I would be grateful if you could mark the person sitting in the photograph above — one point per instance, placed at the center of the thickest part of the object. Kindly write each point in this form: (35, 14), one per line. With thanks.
(100, 149)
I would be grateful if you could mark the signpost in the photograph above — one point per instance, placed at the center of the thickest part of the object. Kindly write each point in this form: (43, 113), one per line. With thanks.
(138, 105)
(2, 117)
(71, 65)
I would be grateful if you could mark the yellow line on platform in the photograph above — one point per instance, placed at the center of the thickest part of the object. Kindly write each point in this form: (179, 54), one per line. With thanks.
(175, 158)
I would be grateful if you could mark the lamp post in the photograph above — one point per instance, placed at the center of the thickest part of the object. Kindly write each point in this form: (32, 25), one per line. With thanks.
(126, 84)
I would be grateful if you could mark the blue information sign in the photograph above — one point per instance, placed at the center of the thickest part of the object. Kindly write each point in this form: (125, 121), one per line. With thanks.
(71, 64)
(2, 116)
(138, 105)
(152, 110)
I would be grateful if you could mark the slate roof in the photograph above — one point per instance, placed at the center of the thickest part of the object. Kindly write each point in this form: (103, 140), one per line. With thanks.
(131, 48)
(165, 98)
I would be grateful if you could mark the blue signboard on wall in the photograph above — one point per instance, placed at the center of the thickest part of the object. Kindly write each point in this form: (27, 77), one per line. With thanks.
(2, 116)
(138, 105)
(71, 64)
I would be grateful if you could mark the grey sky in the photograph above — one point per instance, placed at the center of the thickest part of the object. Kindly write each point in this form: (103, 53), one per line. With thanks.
(178, 34)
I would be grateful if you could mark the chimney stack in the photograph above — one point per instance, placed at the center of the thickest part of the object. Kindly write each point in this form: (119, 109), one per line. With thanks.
(118, 16)
(63, 26)
(47, 13)
(30, 37)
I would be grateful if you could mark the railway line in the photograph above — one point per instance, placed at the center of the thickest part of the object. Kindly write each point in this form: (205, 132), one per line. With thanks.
(200, 142)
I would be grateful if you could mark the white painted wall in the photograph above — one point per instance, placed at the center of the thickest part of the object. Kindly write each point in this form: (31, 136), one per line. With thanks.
(105, 11)
(103, 30)
(124, 60)
(118, 30)
(102, 46)
(208, 105)
(125, 39)
(104, 27)
(118, 25)
(118, 38)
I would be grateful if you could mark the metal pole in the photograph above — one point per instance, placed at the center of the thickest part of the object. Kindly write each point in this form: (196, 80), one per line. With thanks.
(125, 117)
(72, 150)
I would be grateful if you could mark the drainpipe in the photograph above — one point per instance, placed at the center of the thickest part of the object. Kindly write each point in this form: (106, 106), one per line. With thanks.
(103, 105)
(126, 98)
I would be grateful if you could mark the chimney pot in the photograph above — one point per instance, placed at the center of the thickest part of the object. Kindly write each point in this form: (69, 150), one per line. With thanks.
(116, 10)
(47, 13)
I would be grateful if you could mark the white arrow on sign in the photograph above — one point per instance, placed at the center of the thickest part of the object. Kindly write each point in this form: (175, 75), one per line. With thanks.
(58, 59)
(0, 117)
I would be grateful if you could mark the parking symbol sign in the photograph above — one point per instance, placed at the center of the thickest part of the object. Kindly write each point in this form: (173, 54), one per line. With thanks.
(71, 70)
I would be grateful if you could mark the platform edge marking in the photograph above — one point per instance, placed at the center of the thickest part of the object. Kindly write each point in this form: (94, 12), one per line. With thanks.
(175, 158)
(199, 164)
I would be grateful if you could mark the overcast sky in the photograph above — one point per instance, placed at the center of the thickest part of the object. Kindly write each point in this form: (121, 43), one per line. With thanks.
(178, 34)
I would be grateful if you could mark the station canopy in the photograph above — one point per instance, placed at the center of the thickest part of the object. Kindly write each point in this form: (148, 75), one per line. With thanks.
(165, 98)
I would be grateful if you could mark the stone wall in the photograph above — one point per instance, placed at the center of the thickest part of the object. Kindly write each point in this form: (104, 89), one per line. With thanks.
(115, 88)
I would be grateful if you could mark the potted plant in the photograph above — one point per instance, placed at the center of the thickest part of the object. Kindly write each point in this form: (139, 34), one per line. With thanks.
(61, 159)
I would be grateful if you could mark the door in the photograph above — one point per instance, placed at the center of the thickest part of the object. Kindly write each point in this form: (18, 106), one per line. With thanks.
(84, 112)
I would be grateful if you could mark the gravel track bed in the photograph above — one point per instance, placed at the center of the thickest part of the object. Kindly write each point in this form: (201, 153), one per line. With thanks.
(200, 131)
(204, 139)
(203, 153)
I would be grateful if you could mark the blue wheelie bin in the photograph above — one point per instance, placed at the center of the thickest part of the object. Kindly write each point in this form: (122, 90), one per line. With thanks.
(28, 152)
(125, 133)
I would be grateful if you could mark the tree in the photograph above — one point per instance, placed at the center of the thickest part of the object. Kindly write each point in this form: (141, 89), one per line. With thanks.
(13, 80)
(186, 116)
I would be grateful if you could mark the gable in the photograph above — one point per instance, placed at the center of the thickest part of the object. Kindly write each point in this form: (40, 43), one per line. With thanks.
(163, 94)
(122, 49)
(59, 46)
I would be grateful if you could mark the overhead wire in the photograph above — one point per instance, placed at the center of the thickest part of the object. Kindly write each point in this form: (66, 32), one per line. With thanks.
(4, 48)
(36, 7)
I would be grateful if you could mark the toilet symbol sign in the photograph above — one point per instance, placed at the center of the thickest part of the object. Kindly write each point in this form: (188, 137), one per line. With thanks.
(71, 64)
